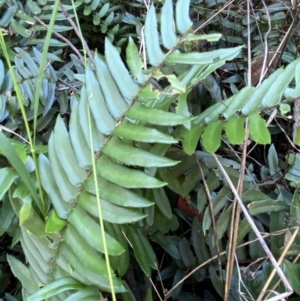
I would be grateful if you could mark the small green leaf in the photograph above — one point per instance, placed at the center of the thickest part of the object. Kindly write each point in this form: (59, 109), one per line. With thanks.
(211, 136)
(56, 287)
(91, 232)
(141, 133)
(155, 116)
(22, 273)
(267, 206)
(258, 129)
(7, 177)
(142, 249)
(54, 223)
(24, 213)
(191, 138)
(292, 272)
(235, 130)
(134, 156)
(124, 176)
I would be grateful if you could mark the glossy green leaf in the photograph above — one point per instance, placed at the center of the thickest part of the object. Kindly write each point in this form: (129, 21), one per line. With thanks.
(267, 206)
(7, 215)
(55, 287)
(110, 212)
(134, 156)
(141, 133)
(91, 232)
(235, 130)
(167, 244)
(65, 154)
(183, 21)
(25, 211)
(186, 253)
(79, 145)
(222, 223)
(273, 162)
(9, 152)
(274, 95)
(199, 242)
(135, 62)
(295, 206)
(211, 137)
(212, 37)
(291, 271)
(153, 50)
(162, 202)
(124, 176)
(7, 177)
(169, 38)
(49, 185)
(22, 273)
(89, 257)
(116, 194)
(205, 58)
(127, 86)
(88, 294)
(142, 249)
(104, 120)
(54, 223)
(67, 190)
(155, 116)
(244, 228)
(258, 129)
(191, 138)
(115, 102)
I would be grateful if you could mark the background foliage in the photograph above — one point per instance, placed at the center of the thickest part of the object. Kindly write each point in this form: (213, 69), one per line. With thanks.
(133, 117)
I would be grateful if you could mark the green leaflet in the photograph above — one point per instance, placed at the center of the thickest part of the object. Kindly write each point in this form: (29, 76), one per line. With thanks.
(7, 177)
(115, 102)
(65, 187)
(124, 176)
(23, 274)
(134, 62)
(104, 121)
(134, 156)
(211, 136)
(79, 144)
(54, 223)
(7, 215)
(142, 249)
(204, 58)
(49, 185)
(191, 138)
(291, 271)
(162, 202)
(55, 287)
(141, 133)
(167, 244)
(110, 212)
(258, 129)
(183, 21)
(116, 194)
(267, 206)
(91, 232)
(155, 116)
(7, 149)
(154, 52)
(186, 253)
(235, 130)
(65, 154)
(169, 38)
(128, 88)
